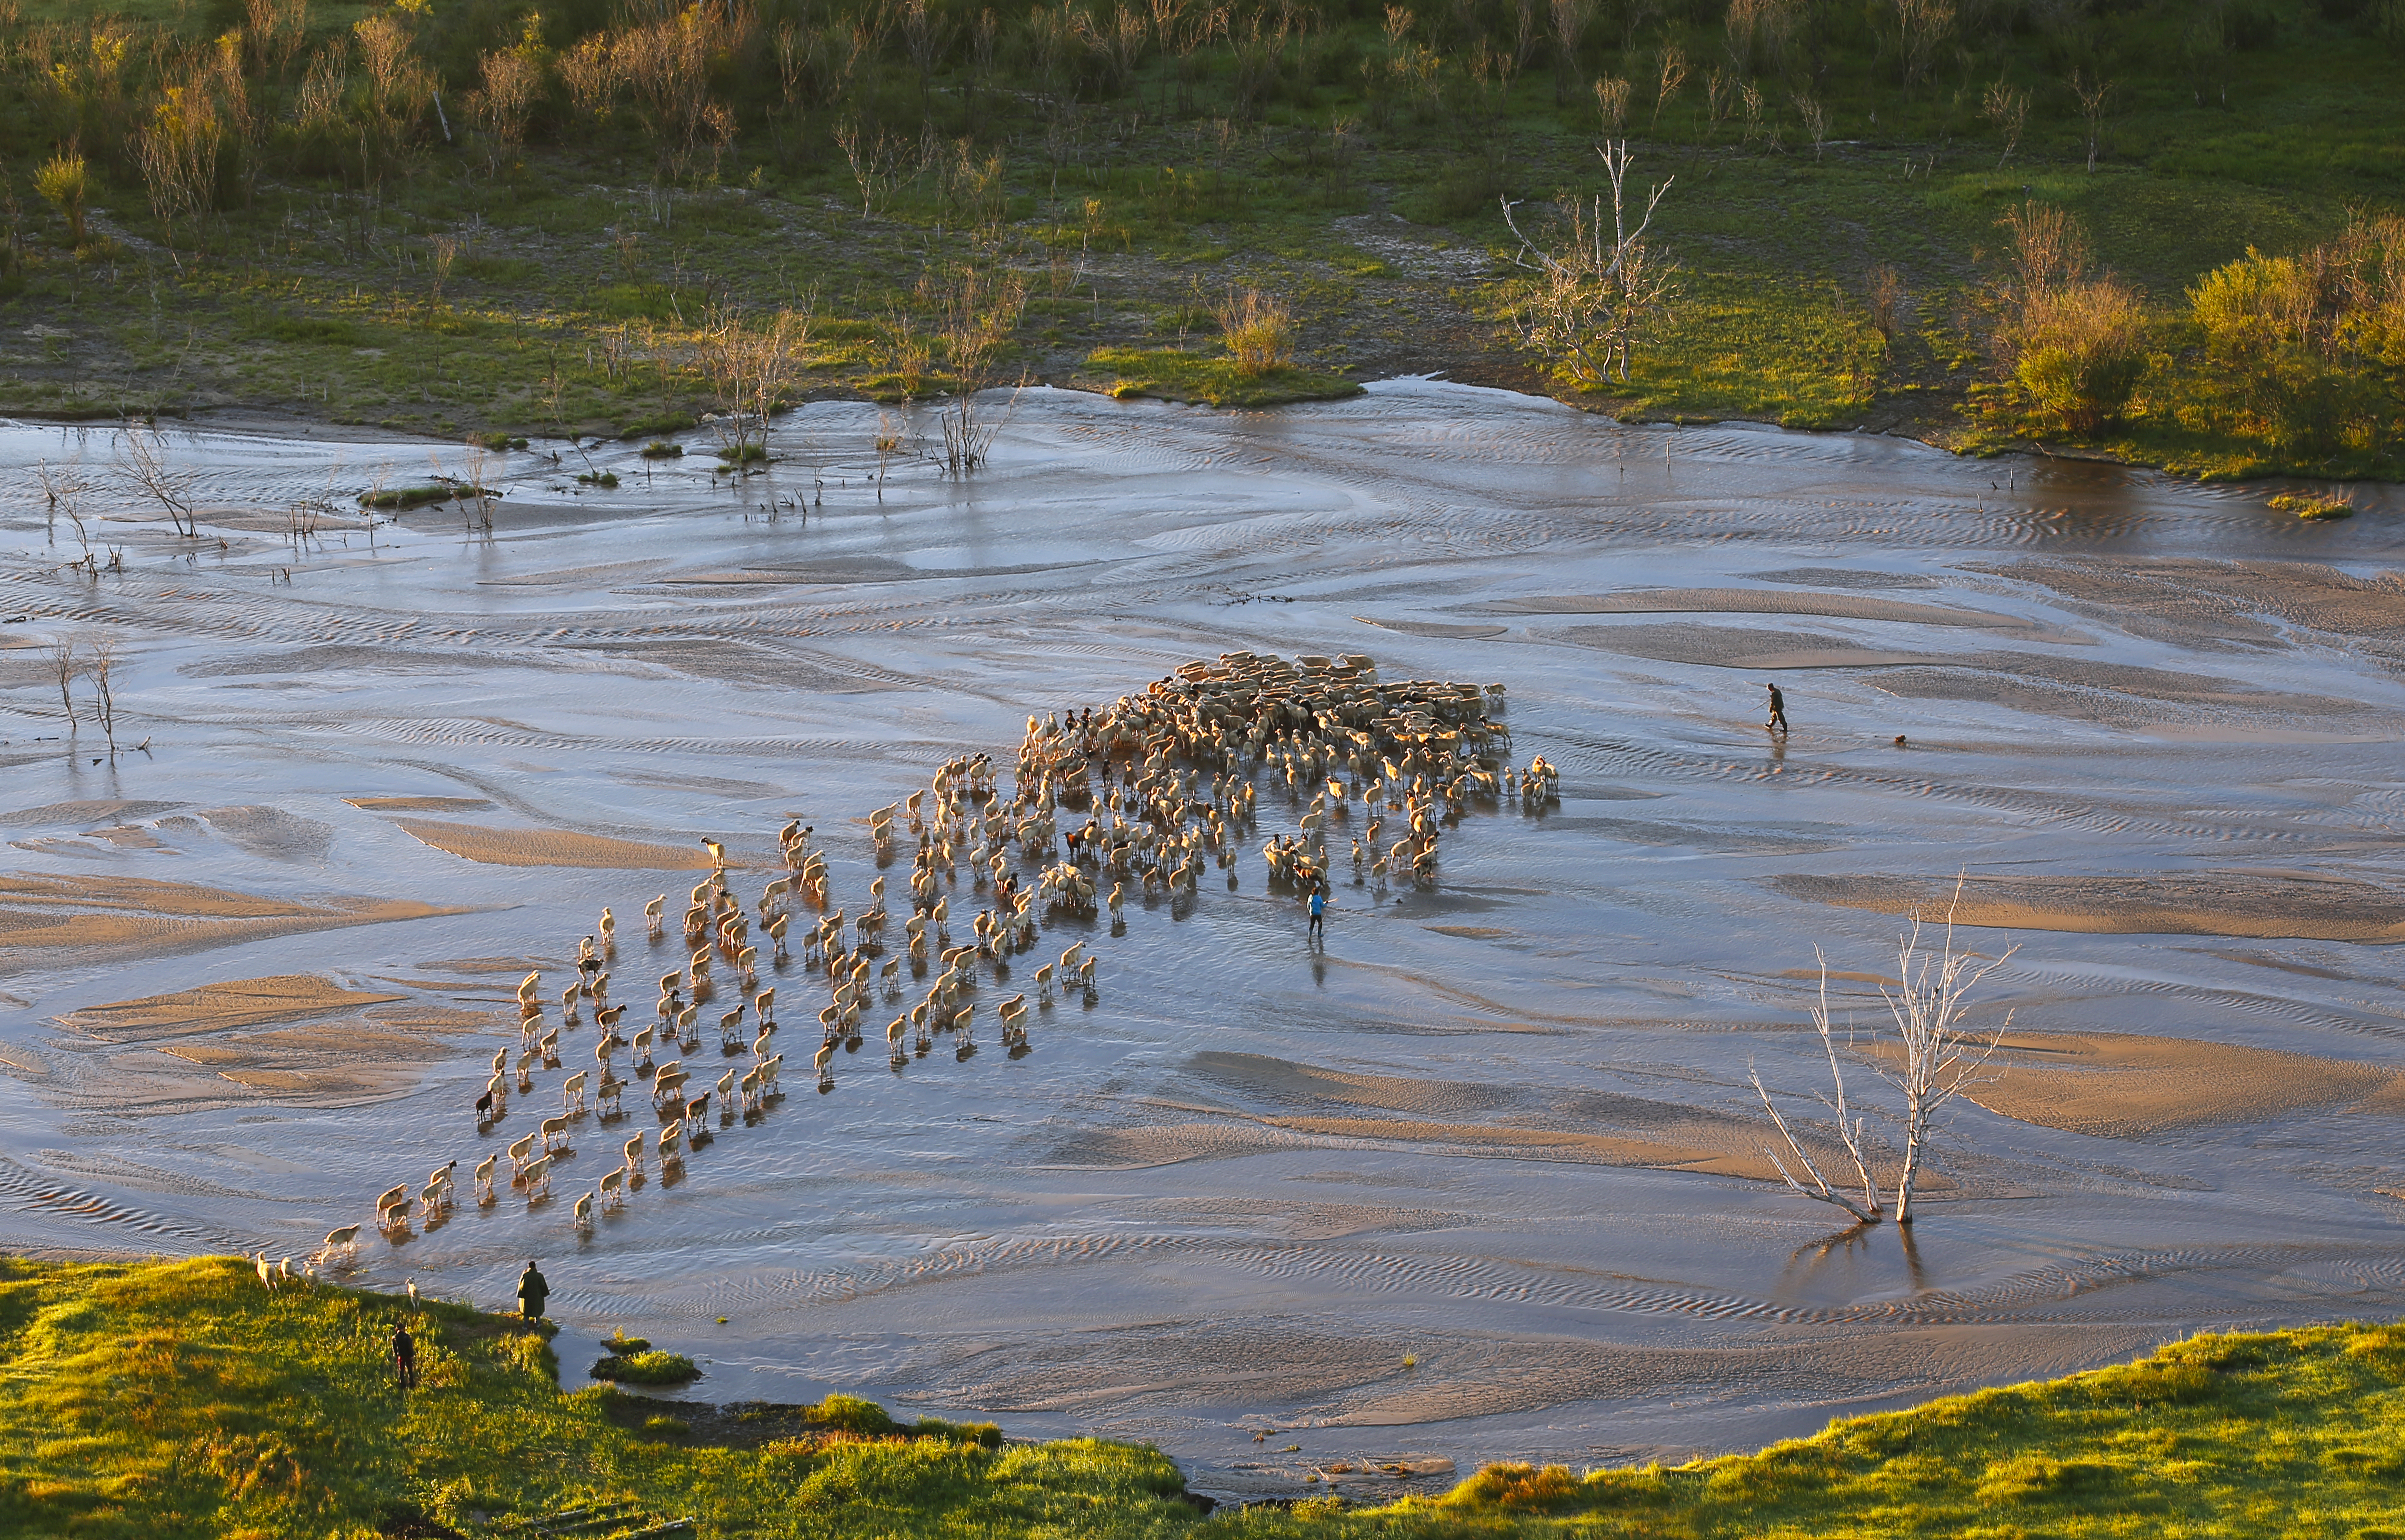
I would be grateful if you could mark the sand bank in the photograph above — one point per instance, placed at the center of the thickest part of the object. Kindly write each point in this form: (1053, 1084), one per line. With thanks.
(1756, 601)
(190, 1053)
(2168, 903)
(552, 847)
(2122, 1086)
(420, 805)
(216, 1007)
(57, 920)
(2195, 602)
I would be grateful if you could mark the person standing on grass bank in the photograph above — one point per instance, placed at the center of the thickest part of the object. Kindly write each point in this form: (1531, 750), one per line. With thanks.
(404, 1356)
(533, 1290)
(1777, 722)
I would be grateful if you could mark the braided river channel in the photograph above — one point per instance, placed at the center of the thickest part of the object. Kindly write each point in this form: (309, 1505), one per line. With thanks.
(1485, 1176)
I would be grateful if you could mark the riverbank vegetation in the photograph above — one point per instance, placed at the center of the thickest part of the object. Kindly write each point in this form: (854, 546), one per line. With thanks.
(175, 1398)
(2162, 229)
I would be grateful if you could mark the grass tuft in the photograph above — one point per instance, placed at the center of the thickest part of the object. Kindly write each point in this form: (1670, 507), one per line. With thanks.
(418, 496)
(1174, 376)
(646, 1368)
(2311, 505)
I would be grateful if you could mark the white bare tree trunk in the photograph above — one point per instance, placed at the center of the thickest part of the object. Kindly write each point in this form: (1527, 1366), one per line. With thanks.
(1852, 1129)
(1939, 1056)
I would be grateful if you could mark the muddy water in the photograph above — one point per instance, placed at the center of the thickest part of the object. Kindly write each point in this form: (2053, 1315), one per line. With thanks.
(1481, 1179)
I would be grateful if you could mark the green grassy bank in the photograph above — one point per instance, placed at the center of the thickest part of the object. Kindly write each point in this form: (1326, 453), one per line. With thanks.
(489, 218)
(179, 1398)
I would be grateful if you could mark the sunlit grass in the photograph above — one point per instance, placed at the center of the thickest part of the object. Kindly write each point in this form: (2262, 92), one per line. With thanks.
(148, 1400)
(1177, 377)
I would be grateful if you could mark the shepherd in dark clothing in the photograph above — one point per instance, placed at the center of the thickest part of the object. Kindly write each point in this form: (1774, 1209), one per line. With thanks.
(1777, 722)
(532, 1292)
(404, 1356)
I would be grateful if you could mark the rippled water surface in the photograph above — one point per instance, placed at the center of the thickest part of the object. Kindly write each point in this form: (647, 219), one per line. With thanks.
(1500, 1128)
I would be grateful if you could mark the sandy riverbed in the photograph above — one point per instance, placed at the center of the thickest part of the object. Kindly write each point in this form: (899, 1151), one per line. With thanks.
(256, 972)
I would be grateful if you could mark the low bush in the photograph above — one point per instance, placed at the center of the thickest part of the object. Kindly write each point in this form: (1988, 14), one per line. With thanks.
(986, 1434)
(418, 496)
(852, 1415)
(646, 1368)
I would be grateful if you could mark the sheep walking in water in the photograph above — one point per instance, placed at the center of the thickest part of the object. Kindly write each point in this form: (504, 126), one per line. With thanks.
(1148, 793)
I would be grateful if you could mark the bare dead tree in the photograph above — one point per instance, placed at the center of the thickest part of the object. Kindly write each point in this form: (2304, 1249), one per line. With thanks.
(1921, 27)
(61, 655)
(1816, 119)
(2008, 107)
(62, 492)
(1596, 294)
(749, 366)
(875, 162)
(1940, 1057)
(977, 305)
(145, 459)
(1852, 1128)
(1936, 1057)
(1611, 104)
(103, 657)
(2092, 91)
(1671, 75)
(1883, 296)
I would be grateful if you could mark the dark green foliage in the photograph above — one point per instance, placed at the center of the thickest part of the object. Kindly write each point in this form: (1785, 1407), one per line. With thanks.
(646, 1368)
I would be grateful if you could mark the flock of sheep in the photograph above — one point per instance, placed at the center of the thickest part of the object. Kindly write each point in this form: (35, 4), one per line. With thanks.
(1146, 792)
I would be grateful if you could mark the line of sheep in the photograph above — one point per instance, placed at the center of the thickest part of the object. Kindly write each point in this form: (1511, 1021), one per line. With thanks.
(1172, 770)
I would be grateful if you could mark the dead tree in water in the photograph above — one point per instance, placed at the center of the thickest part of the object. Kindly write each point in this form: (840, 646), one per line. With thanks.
(146, 461)
(1851, 1129)
(978, 304)
(103, 657)
(1936, 1059)
(61, 656)
(1941, 1057)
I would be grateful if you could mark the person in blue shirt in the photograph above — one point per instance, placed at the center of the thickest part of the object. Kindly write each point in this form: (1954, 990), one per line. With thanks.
(1319, 912)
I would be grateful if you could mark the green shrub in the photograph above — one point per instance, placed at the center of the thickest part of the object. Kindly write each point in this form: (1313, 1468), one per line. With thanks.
(2080, 351)
(646, 1368)
(660, 449)
(2310, 505)
(852, 1415)
(1516, 1486)
(989, 1434)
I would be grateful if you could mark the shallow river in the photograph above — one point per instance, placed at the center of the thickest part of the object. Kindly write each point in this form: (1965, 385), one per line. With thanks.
(1483, 1178)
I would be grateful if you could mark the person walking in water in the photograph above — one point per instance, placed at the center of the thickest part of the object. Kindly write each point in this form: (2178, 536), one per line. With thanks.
(1318, 913)
(404, 1356)
(533, 1290)
(1777, 722)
